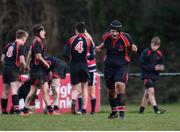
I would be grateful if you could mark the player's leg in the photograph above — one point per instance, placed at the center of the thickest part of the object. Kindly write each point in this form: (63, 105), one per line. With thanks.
(151, 94)
(121, 79)
(80, 101)
(15, 96)
(4, 99)
(109, 81)
(55, 92)
(29, 98)
(113, 103)
(84, 96)
(46, 97)
(144, 102)
(74, 94)
(120, 90)
(92, 91)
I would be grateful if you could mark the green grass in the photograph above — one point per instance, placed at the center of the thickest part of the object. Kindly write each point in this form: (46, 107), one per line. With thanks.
(148, 121)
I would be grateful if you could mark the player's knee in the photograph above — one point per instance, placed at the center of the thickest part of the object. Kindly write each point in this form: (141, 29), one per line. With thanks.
(120, 87)
(150, 91)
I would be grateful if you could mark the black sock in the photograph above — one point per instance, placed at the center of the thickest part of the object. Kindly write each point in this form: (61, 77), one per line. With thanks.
(25, 110)
(49, 109)
(15, 102)
(141, 109)
(113, 105)
(4, 105)
(93, 105)
(80, 103)
(155, 107)
(121, 104)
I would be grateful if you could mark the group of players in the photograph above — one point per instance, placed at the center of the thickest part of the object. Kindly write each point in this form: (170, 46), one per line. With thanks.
(80, 52)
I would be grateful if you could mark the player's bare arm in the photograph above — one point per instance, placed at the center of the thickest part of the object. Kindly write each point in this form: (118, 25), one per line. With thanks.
(22, 61)
(99, 48)
(28, 59)
(41, 59)
(2, 58)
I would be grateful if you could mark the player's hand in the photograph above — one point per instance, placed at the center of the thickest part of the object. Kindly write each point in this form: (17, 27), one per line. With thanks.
(157, 67)
(47, 67)
(134, 48)
(161, 67)
(97, 49)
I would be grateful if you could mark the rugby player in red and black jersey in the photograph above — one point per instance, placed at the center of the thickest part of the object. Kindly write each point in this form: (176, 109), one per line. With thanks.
(57, 71)
(12, 57)
(91, 84)
(152, 63)
(76, 51)
(117, 45)
(38, 67)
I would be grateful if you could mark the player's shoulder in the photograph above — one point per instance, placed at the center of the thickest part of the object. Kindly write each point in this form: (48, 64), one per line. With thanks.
(147, 51)
(7, 45)
(72, 38)
(159, 52)
(127, 35)
(106, 35)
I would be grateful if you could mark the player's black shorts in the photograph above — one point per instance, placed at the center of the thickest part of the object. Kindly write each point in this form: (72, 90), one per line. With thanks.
(148, 83)
(79, 73)
(114, 74)
(38, 76)
(59, 72)
(92, 79)
(11, 74)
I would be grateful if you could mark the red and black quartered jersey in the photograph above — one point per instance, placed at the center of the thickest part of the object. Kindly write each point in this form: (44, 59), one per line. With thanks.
(77, 49)
(37, 47)
(148, 60)
(12, 52)
(117, 49)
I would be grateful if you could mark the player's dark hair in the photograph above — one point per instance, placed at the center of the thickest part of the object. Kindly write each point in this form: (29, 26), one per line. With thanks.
(81, 27)
(21, 33)
(37, 28)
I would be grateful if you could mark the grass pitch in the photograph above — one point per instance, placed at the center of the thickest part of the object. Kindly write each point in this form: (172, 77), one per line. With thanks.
(98, 122)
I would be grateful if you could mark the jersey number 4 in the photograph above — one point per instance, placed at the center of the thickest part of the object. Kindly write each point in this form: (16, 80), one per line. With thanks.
(10, 51)
(79, 47)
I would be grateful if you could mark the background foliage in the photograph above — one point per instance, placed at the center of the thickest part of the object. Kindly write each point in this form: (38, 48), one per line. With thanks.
(142, 19)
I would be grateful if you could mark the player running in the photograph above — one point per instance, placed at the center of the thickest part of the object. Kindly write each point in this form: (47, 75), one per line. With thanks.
(117, 45)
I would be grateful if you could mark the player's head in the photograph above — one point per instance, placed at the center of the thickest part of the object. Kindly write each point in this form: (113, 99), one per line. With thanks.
(80, 27)
(115, 28)
(39, 31)
(22, 36)
(155, 43)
